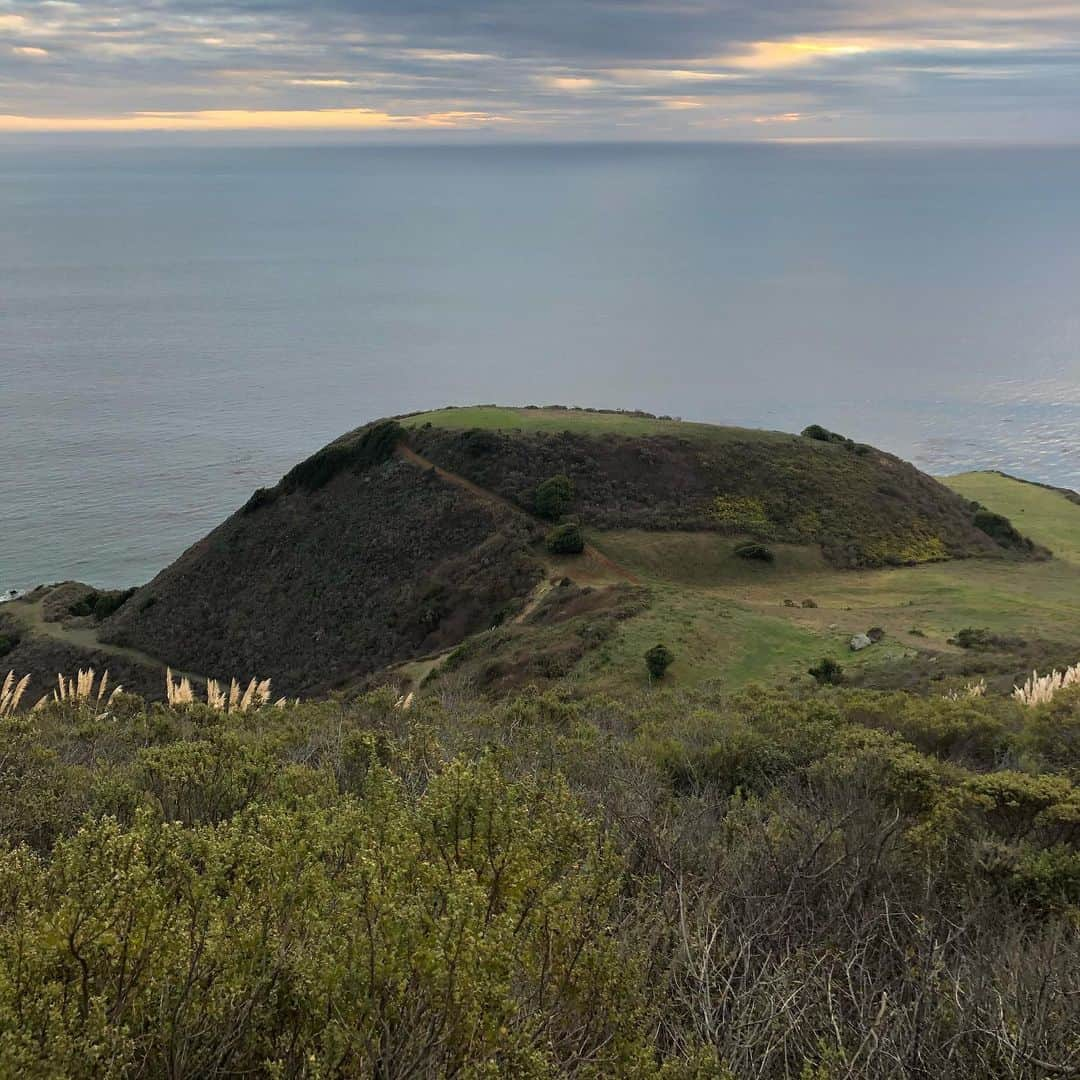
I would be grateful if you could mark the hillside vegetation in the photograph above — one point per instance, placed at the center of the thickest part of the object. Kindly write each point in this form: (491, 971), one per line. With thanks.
(552, 790)
(862, 506)
(688, 886)
(418, 547)
(355, 561)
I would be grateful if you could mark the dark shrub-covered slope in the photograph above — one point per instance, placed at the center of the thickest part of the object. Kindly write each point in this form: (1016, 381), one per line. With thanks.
(864, 507)
(369, 565)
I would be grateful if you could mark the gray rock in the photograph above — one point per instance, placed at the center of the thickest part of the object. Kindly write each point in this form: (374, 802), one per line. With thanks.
(860, 641)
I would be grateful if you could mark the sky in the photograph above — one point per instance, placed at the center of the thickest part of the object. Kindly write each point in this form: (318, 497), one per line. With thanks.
(542, 69)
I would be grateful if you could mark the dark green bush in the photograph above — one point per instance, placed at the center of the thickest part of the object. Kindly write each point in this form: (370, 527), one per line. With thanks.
(981, 639)
(755, 552)
(828, 672)
(566, 539)
(371, 446)
(998, 527)
(658, 659)
(102, 604)
(553, 496)
(821, 434)
(260, 497)
(479, 441)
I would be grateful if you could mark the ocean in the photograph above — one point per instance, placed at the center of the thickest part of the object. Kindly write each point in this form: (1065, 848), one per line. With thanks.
(179, 326)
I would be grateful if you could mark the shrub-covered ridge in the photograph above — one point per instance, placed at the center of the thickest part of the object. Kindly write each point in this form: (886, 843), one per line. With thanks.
(864, 507)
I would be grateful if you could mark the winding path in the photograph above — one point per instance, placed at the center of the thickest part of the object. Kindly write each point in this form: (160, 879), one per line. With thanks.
(30, 615)
(407, 453)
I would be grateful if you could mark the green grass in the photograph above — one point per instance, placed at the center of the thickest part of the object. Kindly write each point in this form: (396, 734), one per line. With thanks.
(726, 618)
(712, 639)
(500, 418)
(705, 558)
(1046, 516)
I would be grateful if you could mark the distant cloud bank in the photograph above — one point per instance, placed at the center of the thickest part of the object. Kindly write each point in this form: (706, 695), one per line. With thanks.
(564, 69)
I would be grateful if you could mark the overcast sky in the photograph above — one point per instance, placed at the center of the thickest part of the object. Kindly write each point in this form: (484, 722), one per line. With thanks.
(544, 69)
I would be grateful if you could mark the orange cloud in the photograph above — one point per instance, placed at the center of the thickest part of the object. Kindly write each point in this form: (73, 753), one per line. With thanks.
(247, 119)
(778, 118)
(567, 82)
(766, 55)
(678, 104)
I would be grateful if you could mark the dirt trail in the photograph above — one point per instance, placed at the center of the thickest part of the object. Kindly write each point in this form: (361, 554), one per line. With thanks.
(30, 613)
(420, 670)
(406, 453)
(533, 601)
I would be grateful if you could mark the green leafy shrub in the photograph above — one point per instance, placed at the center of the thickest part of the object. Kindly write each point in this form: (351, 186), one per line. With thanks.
(101, 604)
(980, 639)
(371, 446)
(658, 659)
(755, 552)
(827, 672)
(553, 496)
(466, 929)
(822, 434)
(479, 442)
(551, 884)
(998, 527)
(259, 497)
(566, 539)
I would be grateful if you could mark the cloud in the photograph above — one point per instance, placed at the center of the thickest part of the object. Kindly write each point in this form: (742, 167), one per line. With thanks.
(779, 118)
(566, 82)
(247, 120)
(557, 69)
(768, 55)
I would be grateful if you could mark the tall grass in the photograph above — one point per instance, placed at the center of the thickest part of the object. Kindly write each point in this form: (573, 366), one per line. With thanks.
(84, 688)
(1039, 689)
(220, 699)
(975, 689)
(11, 694)
(79, 689)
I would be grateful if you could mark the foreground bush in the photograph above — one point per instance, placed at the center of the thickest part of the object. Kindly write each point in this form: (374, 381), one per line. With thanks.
(684, 885)
(467, 931)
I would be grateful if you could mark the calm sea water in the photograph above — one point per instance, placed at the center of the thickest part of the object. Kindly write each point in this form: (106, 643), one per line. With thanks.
(180, 326)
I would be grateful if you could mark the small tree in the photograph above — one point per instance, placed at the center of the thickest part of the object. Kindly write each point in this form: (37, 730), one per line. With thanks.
(822, 434)
(553, 496)
(658, 659)
(565, 539)
(828, 672)
(754, 552)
